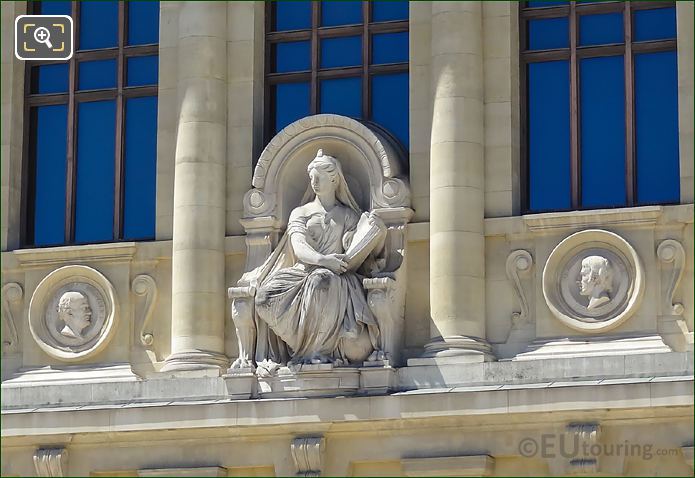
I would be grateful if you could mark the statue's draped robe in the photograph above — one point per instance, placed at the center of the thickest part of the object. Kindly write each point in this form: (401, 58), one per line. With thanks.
(310, 308)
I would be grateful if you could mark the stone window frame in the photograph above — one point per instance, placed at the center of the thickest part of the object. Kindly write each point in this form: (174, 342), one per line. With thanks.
(365, 71)
(573, 54)
(120, 94)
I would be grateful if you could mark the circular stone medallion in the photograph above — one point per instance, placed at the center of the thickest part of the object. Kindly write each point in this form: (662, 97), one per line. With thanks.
(73, 312)
(593, 281)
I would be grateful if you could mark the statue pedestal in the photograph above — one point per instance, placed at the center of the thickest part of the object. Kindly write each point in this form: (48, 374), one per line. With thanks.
(321, 380)
(240, 383)
(378, 378)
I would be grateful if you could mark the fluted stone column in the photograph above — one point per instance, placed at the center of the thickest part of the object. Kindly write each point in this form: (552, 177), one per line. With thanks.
(198, 288)
(457, 242)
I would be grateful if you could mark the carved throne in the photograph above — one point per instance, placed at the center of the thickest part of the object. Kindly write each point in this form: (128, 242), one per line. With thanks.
(375, 169)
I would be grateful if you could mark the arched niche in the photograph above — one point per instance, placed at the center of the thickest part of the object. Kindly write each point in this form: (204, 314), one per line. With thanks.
(374, 166)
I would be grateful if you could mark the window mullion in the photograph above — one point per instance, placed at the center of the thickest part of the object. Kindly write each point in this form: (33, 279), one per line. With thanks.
(70, 190)
(575, 166)
(366, 113)
(314, 87)
(629, 109)
(118, 155)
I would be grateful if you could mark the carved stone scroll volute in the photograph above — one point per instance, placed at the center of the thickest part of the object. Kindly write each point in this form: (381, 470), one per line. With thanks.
(144, 285)
(518, 266)
(671, 252)
(672, 325)
(519, 262)
(11, 294)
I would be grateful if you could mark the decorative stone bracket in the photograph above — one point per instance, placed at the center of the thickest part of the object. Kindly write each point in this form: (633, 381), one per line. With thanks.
(11, 294)
(50, 461)
(307, 453)
(518, 265)
(144, 285)
(580, 437)
(672, 326)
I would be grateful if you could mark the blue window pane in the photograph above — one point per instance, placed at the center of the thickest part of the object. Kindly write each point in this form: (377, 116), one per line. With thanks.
(291, 103)
(142, 70)
(140, 167)
(97, 74)
(292, 56)
(143, 23)
(342, 96)
(340, 13)
(49, 206)
(601, 29)
(542, 3)
(292, 15)
(602, 106)
(390, 48)
(95, 171)
(50, 79)
(56, 8)
(656, 24)
(547, 34)
(343, 51)
(656, 127)
(383, 11)
(390, 104)
(549, 135)
(98, 25)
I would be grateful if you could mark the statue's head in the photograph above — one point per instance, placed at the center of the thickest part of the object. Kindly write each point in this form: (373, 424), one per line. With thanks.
(326, 175)
(596, 277)
(74, 311)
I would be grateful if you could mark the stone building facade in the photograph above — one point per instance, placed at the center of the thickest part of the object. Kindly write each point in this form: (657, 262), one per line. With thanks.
(513, 340)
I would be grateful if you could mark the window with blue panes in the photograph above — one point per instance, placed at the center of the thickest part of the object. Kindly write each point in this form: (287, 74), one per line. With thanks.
(91, 133)
(343, 57)
(601, 104)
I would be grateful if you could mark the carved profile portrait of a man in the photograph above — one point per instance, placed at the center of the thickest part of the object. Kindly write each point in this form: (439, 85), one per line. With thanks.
(596, 280)
(74, 311)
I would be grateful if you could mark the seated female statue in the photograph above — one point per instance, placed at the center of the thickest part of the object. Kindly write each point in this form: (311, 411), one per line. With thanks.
(309, 298)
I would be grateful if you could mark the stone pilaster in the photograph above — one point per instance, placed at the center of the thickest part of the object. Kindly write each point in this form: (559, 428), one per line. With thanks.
(457, 185)
(198, 288)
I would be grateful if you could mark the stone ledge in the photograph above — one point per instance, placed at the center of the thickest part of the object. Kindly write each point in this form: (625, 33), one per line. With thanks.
(51, 256)
(447, 373)
(72, 389)
(527, 404)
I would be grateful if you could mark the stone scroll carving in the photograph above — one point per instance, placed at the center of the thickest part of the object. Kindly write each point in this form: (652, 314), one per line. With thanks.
(593, 281)
(672, 325)
(11, 294)
(519, 262)
(144, 285)
(672, 252)
(51, 461)
(329, 290)
(73, 312)
(307, 453)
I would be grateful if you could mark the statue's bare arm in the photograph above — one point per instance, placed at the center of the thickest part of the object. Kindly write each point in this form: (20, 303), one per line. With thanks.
(308, 255)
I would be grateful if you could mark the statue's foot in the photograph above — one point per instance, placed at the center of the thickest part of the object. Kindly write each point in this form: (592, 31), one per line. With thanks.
(267, 368)
(378, 356)
(241, 363)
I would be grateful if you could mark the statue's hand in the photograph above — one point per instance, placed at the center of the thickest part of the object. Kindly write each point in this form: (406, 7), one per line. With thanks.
(334, 263)
(375, 220)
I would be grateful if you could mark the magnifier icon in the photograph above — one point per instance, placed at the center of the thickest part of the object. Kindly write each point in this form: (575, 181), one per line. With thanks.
(42, 35)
